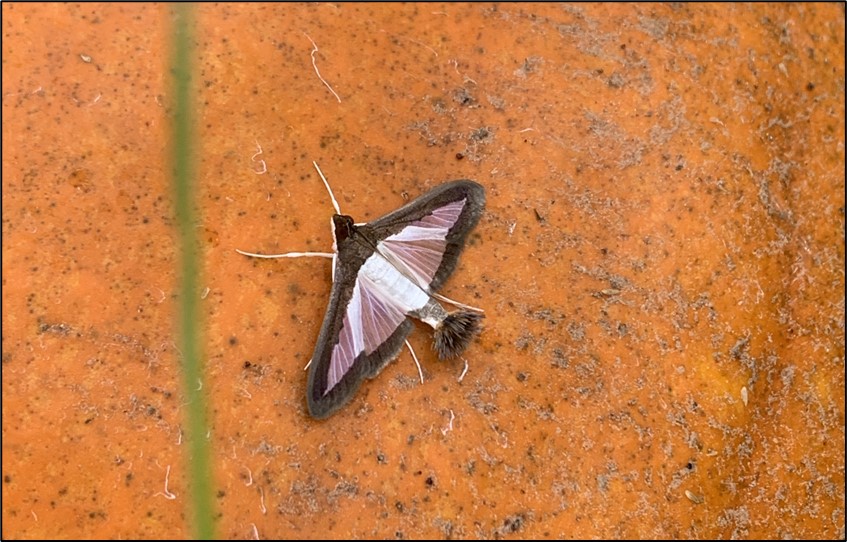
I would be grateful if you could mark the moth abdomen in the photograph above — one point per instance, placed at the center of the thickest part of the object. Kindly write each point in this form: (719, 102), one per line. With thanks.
(455, 332)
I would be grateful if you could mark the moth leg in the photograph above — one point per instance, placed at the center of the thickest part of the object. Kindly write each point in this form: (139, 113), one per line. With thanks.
(454, 303)
(295, 255)
(414, 357)
(289, 254)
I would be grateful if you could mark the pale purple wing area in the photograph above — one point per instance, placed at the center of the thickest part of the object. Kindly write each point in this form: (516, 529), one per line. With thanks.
(391, 283)
(418, 248)
(371, 318)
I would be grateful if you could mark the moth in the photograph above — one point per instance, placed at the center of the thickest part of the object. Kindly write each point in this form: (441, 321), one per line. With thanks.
(384, 273)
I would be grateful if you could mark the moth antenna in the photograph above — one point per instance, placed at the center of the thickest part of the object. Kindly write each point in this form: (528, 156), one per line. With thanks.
(328, 189)
(454, 333)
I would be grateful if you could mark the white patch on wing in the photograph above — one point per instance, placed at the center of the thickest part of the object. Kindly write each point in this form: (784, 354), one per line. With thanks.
(381, 299)
(418, 248)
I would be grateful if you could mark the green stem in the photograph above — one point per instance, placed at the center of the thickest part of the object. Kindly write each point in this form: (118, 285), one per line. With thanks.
(190, 329)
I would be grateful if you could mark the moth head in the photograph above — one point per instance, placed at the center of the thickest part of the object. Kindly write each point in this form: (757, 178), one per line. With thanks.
(342, 228)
